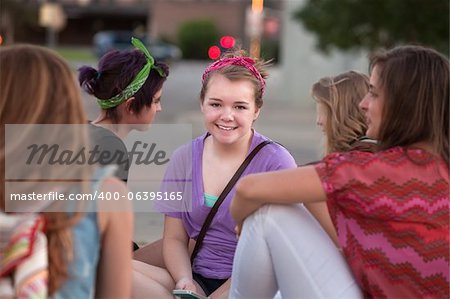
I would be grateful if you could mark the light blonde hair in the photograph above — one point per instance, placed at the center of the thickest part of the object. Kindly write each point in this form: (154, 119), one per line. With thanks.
(38, 87)
(340, 95)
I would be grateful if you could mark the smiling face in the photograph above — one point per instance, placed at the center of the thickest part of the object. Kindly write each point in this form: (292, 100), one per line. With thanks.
(229, 109)
(372, 105)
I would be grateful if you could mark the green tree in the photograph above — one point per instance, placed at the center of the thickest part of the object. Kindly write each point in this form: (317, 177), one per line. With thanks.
(369, 24)
(195, 37)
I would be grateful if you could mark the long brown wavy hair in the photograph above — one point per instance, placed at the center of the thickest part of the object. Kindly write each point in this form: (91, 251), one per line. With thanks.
(340, 95)
(415, 81)
(38, 87)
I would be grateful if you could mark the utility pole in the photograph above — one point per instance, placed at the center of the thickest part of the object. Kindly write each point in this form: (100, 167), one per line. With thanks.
(254, 26)
(53, 18)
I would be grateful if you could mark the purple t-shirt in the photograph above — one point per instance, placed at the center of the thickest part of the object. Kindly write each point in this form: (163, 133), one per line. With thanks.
(184, 173)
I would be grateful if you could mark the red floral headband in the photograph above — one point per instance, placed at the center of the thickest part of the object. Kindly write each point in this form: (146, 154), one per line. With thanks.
(246, 62)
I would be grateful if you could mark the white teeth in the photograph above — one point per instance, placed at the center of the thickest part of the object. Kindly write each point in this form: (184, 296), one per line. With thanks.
(225, 128)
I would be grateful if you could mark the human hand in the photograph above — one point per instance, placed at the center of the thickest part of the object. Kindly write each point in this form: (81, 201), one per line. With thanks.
(236, 212)
(186, 283)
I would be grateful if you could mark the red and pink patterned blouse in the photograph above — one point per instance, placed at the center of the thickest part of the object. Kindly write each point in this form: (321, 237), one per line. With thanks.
(391, 213)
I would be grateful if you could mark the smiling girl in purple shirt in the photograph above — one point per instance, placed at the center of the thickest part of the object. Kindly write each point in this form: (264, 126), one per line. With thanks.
(231, 100)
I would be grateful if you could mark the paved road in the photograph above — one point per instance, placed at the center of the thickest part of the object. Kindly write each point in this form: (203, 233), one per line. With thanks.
(290, 123)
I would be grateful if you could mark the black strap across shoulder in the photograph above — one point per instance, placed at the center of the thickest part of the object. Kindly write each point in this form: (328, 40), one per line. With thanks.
(224, 194)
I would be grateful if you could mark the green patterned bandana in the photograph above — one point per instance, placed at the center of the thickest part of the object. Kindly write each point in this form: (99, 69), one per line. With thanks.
(137, 82)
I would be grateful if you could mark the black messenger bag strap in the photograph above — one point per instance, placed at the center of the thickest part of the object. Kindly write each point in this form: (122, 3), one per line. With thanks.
(222, 196)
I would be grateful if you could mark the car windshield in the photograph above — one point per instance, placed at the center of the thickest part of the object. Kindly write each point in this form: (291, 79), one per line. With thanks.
(105, 41)
(123, 37)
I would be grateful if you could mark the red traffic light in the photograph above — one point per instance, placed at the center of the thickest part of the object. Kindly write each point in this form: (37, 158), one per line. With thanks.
(227, 42)
(214, 52)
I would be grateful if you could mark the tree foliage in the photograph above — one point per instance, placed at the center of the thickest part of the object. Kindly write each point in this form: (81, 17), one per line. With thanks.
(369, 24)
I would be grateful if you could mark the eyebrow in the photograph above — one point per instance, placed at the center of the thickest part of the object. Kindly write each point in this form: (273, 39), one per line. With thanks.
(235, 103)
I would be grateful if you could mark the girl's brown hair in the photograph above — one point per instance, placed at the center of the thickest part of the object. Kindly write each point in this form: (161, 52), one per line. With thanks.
(38, 87)
(340, 95)
(238, 72)
(415, 83)
(116, 70)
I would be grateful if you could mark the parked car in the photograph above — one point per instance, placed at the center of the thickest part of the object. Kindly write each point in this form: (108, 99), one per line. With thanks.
(105, 41)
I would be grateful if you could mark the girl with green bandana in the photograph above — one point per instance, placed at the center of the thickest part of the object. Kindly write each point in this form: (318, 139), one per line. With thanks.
(128, 86)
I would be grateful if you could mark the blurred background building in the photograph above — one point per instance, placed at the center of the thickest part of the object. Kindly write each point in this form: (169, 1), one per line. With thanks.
(159, 18)
(194, 25)
(307, 38)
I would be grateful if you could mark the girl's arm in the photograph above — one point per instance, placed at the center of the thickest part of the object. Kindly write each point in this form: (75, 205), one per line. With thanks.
(176, 254)
(114, 267)
(279, 187)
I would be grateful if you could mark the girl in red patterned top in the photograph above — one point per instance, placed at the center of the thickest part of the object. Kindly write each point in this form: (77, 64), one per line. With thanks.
(390, 208)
